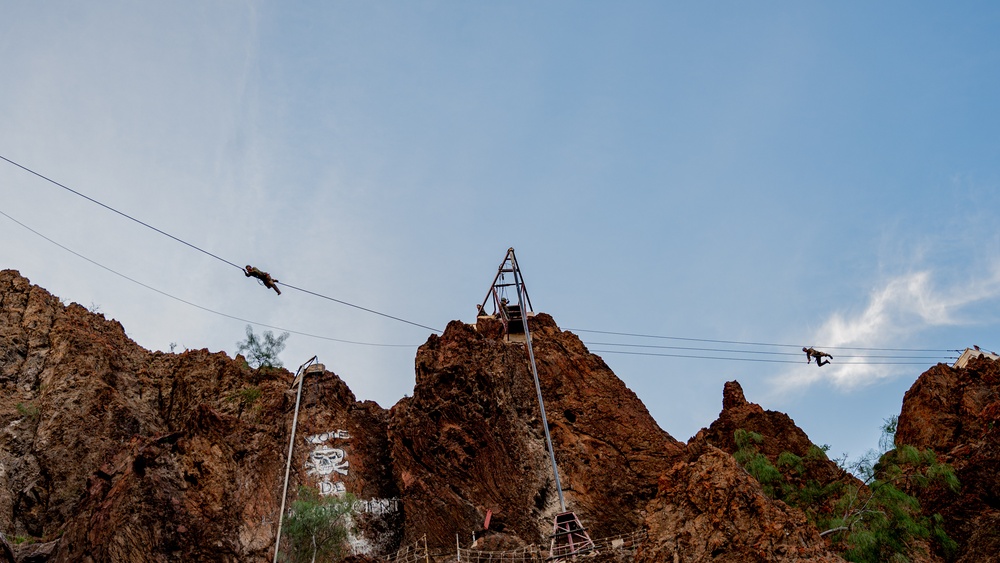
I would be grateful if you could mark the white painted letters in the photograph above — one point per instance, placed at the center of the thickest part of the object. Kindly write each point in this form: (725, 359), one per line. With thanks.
(327, 436)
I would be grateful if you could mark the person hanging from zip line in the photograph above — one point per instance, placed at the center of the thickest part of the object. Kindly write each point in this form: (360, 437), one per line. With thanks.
(813, 353)
(265, 277)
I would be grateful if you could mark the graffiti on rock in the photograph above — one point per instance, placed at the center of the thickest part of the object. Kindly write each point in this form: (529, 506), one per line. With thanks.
(328, 462)
(327, 488)
(377, 506)
(327, 436)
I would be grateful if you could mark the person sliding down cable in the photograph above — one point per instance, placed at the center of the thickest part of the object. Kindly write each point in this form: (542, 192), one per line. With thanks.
(265, 277)
(813, 353)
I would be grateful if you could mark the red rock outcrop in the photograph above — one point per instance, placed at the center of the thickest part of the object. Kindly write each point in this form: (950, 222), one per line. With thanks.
(112, 453)
(356, 432)
(956, 413)
(470, 438)
(779, 431)
(709, 509)
(109, 452)
(780, 434)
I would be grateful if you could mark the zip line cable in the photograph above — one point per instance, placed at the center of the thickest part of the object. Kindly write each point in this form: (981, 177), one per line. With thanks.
(730, 350)
(694, 356)
(195, 305)
(760, 343)
(348, 304)
(289, 286)
(126, 215)
(256, 323)
(233, 264)
(746, 359)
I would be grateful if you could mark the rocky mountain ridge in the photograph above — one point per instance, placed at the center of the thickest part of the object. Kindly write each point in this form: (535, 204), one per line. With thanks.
(110, 452)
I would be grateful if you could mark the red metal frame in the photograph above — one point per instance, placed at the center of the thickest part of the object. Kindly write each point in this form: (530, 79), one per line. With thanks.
(569, 537)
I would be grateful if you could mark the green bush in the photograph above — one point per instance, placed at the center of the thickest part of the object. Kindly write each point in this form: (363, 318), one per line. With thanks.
(791, 462)
(877, 522)
(817, 453)
(757, 463)
(872, 523)
(317, 527)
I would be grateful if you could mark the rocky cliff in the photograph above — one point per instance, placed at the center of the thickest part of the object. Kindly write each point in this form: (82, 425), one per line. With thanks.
(470, 439)
(110, 452)
(956, 414)
(709, 508)
(778, 435)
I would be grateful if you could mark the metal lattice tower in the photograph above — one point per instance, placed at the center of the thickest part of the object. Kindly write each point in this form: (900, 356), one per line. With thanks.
(569, 537)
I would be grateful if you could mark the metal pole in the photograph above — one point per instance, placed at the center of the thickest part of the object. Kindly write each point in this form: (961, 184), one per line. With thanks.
(515, 267)
(538, 388)
(291, 445)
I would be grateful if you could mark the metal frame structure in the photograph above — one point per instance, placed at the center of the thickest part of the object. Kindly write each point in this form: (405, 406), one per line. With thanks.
(300, 375)
(569, 537)
(508, 314)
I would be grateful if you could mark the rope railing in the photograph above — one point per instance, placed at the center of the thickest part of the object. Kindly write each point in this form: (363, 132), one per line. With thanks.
(526, 553)
(533, 553)
(417, 551)
(622, 541)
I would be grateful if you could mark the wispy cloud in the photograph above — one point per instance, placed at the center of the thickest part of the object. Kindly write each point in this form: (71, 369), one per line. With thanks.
(896, 311)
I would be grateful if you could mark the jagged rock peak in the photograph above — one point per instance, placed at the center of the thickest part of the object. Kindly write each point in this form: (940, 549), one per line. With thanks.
(710, 509)
(732, 395)
(110, 452)
(955, 412)
(470, 439)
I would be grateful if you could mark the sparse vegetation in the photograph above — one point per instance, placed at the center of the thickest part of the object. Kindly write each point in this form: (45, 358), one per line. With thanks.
(817, 452)
(26, 540)
(317, 527)
(790, 462)
(874, 522)
(27, 410)
(261, 352)
(757, 463)
(879, 522)
(246, 397)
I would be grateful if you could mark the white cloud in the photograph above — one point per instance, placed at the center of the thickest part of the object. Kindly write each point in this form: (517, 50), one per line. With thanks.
(900, 309)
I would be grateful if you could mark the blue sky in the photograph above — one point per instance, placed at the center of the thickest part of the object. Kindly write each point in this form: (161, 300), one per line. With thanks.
(798, 173)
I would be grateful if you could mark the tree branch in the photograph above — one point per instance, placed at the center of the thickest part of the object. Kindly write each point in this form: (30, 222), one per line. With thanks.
(834, 530)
